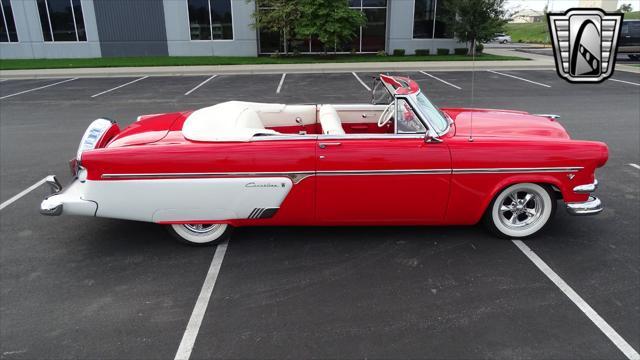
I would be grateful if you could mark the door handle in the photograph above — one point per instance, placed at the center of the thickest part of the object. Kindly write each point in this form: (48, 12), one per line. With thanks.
(325, 144)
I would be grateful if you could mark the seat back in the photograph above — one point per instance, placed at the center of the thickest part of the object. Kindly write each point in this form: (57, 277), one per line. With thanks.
(330, 121)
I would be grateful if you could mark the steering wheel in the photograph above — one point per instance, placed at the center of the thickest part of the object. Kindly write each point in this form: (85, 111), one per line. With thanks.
(386, 115)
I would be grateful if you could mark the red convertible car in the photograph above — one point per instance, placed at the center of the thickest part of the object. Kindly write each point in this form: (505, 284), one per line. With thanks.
(398, 161)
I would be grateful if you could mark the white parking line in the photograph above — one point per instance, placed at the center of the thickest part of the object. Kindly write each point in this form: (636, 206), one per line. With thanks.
(617, 340)
(361, 82)
(21, 194)
(635, 166)
(280, 84)
(446, 82)
(199, 85)
(519, 78)
(118, 87)
(38, 88)
(191, 332)
(625, 82)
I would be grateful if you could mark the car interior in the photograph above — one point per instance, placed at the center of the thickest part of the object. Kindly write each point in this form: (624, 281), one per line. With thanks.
(237, 120)
(326, 119)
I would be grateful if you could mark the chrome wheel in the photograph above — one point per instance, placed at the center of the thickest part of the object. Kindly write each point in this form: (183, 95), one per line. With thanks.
(520, 210)
(200, 234)
(201, 228)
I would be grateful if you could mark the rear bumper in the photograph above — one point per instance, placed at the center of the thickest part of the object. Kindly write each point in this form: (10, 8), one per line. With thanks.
(590, 207)
(66, 201)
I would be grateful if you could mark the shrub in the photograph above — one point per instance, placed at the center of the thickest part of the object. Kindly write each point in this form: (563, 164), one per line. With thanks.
(479, 48)
(398, 52)
(381, 53)
(460, 51)
(442, 51)
(296, 52)
(422, 52)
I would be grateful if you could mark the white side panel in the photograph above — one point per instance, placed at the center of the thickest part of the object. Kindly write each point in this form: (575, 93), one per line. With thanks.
(186, 199)
(353, 113)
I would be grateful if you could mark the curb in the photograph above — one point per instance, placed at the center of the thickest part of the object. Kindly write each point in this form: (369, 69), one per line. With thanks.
(276, 69)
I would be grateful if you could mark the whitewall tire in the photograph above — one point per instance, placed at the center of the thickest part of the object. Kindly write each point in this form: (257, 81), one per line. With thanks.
(520, 211)
(200, 234)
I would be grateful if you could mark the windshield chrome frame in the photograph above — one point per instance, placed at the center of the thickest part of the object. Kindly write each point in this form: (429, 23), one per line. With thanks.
(431, 129)
(413, 101)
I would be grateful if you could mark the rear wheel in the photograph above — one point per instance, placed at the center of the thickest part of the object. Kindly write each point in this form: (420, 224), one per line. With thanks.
(520, 211)
(200, 234)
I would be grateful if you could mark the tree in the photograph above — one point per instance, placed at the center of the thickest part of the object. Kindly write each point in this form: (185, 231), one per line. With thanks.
(625, 8)
(278, 16)
(330, 21)
(475, 21)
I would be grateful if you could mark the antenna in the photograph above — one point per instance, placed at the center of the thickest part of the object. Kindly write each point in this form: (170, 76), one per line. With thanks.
(473, 81)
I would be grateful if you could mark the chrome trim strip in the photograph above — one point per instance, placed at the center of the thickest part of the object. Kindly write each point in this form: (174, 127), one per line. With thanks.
(517, 170)
(297, 177)
(283, 137)
(370, 136)
(384, 172)
(587, 188)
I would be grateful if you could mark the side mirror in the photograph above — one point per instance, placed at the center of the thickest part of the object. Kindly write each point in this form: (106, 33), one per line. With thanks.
(428, 138)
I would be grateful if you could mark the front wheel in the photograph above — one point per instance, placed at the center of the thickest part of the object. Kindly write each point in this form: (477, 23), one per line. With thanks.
(200, 234)
(520, 211)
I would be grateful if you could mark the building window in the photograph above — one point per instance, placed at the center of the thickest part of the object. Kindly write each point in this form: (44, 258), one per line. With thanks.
(427, 23)
(210, 19)
(7, 24)
(61, 20)
(370, 38)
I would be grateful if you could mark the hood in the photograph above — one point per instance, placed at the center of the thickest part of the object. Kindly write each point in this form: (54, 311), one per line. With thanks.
(504, 123)
(147, 129)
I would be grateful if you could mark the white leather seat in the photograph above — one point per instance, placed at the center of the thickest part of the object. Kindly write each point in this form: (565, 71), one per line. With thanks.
(330, 121)
(227, 121)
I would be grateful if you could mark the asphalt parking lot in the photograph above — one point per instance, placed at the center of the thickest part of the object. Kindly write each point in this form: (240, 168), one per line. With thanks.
(75, 287)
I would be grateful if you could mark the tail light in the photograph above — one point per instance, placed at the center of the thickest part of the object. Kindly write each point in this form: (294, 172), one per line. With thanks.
(97, 135)
(94, 137)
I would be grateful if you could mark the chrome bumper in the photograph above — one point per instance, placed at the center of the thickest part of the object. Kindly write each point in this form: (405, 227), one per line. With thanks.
(67, 200)
(590, 207)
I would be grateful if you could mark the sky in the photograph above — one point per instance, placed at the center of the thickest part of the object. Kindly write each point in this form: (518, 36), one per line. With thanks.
(558, 5)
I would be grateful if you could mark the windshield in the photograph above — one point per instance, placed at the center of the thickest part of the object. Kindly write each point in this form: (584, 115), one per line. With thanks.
(434, 115)
(380, 94)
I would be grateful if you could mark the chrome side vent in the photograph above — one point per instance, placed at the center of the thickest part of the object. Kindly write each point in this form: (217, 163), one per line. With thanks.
(262, 213)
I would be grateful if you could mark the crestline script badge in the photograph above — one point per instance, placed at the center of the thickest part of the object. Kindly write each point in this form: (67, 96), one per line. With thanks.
(585, 43)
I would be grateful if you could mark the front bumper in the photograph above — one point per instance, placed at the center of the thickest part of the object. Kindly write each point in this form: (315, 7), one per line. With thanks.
(68, 201)
(590, 207)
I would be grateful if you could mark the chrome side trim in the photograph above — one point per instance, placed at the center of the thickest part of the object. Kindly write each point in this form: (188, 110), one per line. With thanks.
(284, 137)
(295, 177)
(370, 136)
(590, 207)
(298, 176)
(587, 188)
(517, 170)
(384, 172)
